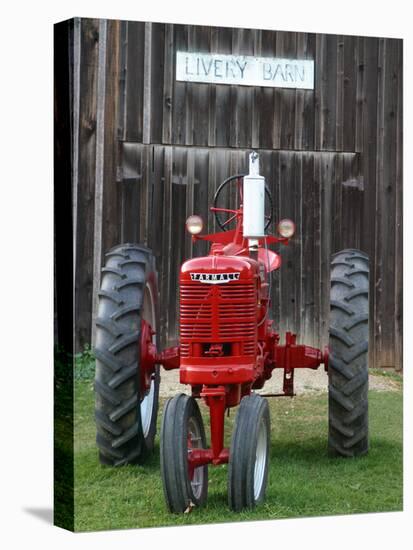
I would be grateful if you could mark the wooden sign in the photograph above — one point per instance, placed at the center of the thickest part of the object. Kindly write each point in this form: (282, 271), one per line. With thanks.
(245, 70)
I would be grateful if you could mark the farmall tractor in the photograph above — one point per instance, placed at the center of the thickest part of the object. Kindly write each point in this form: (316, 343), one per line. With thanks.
(228, 348)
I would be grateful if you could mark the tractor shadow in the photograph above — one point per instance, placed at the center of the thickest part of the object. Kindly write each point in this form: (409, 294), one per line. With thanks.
(298, 469)
(313, 452)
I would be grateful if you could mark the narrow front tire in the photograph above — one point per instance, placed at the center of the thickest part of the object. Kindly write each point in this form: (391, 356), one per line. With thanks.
(249, 454)
(182, 430)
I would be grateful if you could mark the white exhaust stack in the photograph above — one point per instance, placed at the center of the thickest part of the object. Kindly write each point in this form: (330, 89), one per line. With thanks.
(253, 203)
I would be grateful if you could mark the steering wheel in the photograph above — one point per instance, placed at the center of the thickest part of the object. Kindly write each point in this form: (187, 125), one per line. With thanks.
(224, 216)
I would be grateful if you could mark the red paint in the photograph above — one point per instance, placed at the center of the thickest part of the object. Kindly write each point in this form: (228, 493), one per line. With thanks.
(168, 358)
(270, 259)
(200, 457)
(227, 345)
(215, 399)
(149, 358)
(147, 355)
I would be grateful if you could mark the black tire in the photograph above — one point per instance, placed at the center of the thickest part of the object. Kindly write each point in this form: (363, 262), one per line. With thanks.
(247, 478)
(348, 359)
(181, 417)
(125, 428)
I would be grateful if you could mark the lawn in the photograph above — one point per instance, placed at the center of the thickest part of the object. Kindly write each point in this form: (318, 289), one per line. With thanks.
(303, 480)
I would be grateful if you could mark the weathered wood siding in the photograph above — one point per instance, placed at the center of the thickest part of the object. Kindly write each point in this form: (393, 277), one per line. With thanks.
(152, 150)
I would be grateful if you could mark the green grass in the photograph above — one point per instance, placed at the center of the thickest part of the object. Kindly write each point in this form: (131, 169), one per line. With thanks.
(389, 373)
(84, 364)
(303, 480)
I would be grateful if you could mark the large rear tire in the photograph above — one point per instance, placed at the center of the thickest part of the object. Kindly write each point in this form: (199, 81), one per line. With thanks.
(125, 413)
(348, 354)
(249, 454)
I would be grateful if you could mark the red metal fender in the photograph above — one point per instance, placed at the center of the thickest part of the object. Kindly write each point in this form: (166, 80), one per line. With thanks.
(147, 356)
(294, 356)
(168, 358)
(291, 356)
(270, 259)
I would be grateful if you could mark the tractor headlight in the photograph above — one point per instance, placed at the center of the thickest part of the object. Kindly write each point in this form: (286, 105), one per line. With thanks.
(194, 224)
(286, 228)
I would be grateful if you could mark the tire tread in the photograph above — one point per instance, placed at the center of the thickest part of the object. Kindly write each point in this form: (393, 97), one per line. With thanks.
(348, 368)
(173, 454)
(120, 437)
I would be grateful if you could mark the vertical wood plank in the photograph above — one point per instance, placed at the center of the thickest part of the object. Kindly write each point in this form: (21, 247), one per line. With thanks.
(111, 210)
(255, 129)
(189, 205)
(144, 190)
(326, 188)
(164, 279)
(135, 56)
(182, 92)
(201, 205)
(179, 236)
(168, 90)
(338, 216)
(74, 49)
(99, 170)
(223, 111)
(199, 40)
(360, 99)
(89, 52)
(275, 189)
(242, 119)
(368, 135)
(378, 263)
(147, 84)
(330, 98)
(212, 187)
(157, 81)
(156, 221)
(269, 117)
(130, 189)
(319, 90)
(287, 47)
(352, 191)
(349, 94)
(339, 100)
(308, 251)
(288, 267)
(214, 48)
(386, 202)
(318, 253)
(122, 117)
(298, 255)
(304, 99)
(398, 315)
(326, 92)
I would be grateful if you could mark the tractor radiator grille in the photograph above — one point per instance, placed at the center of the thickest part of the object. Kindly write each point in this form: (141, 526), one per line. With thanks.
(218, 314)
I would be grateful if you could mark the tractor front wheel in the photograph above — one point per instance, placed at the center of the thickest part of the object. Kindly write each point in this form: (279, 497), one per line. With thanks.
(348, 354)
(249, 454)
(182, 431)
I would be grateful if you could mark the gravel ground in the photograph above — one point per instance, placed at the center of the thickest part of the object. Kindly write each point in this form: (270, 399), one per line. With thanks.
(305, 381)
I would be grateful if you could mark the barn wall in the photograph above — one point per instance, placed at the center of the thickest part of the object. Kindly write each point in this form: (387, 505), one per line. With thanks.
(149, 150)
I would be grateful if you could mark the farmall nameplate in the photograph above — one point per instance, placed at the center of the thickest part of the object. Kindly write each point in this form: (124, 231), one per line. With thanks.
(245, 70)
(215, 278)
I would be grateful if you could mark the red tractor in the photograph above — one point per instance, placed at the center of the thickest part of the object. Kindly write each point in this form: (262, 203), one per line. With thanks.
(228, 348)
